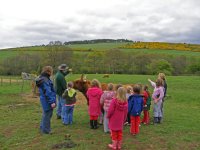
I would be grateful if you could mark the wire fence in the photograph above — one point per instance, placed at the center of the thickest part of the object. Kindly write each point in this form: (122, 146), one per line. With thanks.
(10, 80)
(24, 85)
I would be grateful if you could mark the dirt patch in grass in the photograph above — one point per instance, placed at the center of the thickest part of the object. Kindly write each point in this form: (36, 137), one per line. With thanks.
(81, 100)
(67, 144)
(30, 98)
(191, 146)
(8, 132)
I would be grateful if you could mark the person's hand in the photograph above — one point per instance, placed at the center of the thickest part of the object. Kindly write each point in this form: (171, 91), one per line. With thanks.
(70, 70)
(155, 101)
(149, 80)
(53, 105)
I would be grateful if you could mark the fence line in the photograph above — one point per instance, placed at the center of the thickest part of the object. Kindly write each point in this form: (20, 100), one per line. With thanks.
(10, 80)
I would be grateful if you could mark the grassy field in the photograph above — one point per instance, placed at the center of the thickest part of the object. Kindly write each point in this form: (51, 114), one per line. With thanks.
(9, 53)
(165, 52)
(96, 47)
(21, 114)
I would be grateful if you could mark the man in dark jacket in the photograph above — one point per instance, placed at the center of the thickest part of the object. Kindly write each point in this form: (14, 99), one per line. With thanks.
(47, 98)
(60, 86)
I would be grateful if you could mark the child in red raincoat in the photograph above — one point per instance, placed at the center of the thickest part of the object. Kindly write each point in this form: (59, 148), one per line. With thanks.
(117, 114)
(94, 94)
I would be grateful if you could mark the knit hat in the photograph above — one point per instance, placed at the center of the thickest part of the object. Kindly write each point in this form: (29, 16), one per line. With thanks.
(63, 67)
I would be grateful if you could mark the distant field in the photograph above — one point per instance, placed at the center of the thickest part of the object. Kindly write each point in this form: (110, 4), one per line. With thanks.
(6, 54)
(79, 48)
(10, 53)
(98, 46)
(21, 114)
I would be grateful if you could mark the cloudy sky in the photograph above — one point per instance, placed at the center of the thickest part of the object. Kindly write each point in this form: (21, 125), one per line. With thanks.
(36, 22)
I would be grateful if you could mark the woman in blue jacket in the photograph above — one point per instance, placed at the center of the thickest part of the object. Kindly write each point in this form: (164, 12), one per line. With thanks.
(47, 98)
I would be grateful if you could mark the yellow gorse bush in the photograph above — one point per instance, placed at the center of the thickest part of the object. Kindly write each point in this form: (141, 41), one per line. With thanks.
(163, 45)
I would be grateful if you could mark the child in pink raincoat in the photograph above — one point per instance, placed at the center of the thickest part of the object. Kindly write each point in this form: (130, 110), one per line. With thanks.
(94, 94)
(117, 114)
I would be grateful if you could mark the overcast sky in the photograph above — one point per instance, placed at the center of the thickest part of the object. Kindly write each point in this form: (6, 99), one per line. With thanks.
(36, 22)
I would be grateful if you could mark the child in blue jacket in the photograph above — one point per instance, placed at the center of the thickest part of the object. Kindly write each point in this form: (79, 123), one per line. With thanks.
(135, 106)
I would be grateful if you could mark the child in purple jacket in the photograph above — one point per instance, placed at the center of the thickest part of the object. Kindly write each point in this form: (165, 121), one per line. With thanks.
(105, 101)
(117, 114)
(157, 96)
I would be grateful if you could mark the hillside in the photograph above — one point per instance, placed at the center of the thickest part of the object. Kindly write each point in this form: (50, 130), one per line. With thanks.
(115, 58)
(102, 45)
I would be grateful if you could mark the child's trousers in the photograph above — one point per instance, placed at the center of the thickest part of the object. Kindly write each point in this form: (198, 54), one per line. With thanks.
(68, 115)
(135, 122)
(116, 135)
(157, 109)
(105, 123)
(145, 117)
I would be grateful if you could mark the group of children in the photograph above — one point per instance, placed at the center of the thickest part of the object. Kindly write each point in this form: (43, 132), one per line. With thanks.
(119, 106)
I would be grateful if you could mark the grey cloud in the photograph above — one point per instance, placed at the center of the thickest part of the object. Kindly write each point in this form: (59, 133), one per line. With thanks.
(42, 28)
(170, 21)
(37, 32)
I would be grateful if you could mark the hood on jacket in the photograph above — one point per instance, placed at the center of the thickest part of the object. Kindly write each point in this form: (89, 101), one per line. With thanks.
(120, 105)
(109, 94)
(93, 91)
(44, 74)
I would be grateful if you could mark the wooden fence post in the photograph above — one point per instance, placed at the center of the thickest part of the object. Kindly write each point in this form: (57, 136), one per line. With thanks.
(22, 85)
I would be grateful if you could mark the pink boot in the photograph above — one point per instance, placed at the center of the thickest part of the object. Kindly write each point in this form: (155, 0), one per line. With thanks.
(113, 145)
(119, 145)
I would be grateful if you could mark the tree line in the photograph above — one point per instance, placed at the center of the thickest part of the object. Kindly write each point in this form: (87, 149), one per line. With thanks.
(53, 43)
(114, 61)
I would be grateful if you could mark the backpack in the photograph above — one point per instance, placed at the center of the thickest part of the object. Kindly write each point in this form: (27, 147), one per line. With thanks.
(148, 103)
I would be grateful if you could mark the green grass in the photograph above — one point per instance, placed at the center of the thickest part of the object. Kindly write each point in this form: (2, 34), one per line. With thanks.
(6, 54)
(98, 46)
(11, 53)
(179, 131)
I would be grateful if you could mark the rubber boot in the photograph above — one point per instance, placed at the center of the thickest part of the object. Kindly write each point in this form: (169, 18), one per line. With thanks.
(119, 145)
(113, 145)
(95, 124)
(155, 121)
(91, 124)
(159, 119)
